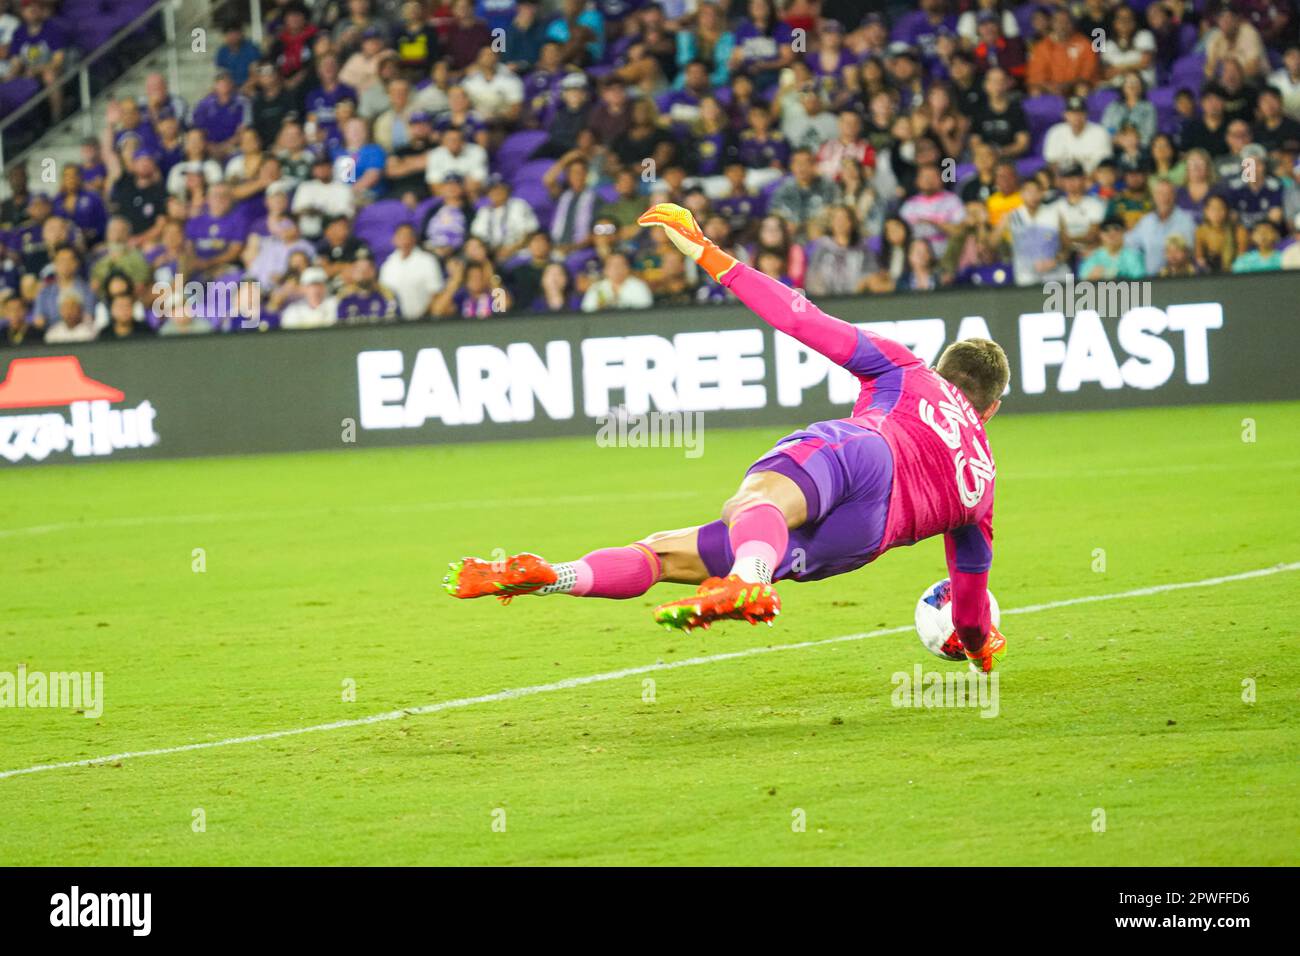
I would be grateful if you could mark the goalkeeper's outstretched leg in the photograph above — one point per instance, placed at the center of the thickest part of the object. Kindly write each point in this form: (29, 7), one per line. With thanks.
(753, 536)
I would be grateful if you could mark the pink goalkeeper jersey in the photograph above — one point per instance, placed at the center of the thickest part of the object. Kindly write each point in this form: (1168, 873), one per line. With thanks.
(943, 470)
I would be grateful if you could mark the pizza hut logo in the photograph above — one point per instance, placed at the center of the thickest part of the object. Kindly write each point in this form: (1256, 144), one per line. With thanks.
(90, 427)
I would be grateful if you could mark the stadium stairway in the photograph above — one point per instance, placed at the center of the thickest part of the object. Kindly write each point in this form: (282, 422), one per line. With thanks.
(193, 80)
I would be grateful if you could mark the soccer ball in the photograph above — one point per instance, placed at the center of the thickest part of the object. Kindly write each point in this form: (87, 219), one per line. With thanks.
(934, 621)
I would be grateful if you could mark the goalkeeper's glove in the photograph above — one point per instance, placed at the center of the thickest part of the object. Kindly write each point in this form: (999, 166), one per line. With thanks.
(685, 234)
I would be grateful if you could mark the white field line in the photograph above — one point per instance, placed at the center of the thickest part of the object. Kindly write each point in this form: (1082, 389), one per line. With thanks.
(571, 682)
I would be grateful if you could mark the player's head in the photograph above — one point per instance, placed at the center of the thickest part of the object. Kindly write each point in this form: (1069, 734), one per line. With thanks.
(979, 369)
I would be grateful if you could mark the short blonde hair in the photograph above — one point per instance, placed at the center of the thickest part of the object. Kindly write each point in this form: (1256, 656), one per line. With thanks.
(979, 369)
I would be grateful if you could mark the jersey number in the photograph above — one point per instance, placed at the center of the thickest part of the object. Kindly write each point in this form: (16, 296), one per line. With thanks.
(973, 474)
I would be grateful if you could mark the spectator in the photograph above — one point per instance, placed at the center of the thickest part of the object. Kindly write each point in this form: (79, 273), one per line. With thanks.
(505, 222)
(468, 35)
(417, 42)
(1132, 108)
(66, 278)
(363, 301)
(1216, 238)
(1112, 259)
(468, 293)
(1134, 200)
(524, 37)
(1062, 63)
(221, 114)
(195, 160)
(803, 196)
(1274, 129)
(555, 293)
(1178, 258)
(575, 204)
(39, 49)
(847, 144)
(456, 156)
(237, 54)
(570, 119)
(322, 102)
(1006, 197)
(1128, 50)
(317, 309)
(141, 199)
(1255, 195)
(1264, 257)
(350, 32)
(619, 289)
(1233, 38)
(412, 275)
(122, 320)
(1207, 132)
(1034, 233)
(493, 89)
(217, 235)
(1200, 183)
(1077, 139)
(321, 197)
(1155, 228)
(1286, 80)
(1081, 214)
(74, 324)
(18, 329)
(360, 163)
(1000, 122)
(838, 263)
(922, 273)
(933, 213)
(361, 70)
(291, 49)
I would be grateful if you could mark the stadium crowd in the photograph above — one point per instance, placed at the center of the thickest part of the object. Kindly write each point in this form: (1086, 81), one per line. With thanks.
(374, 161)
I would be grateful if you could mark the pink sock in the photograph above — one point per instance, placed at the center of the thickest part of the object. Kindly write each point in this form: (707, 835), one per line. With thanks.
(616, 572)
(758, 536)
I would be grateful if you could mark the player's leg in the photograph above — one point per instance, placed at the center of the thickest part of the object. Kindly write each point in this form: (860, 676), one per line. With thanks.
(617, 573)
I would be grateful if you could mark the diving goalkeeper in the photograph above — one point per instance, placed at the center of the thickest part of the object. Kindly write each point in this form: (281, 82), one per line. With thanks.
(912, 461)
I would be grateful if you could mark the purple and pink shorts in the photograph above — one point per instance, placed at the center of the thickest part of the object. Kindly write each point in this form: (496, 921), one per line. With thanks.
(846, 473)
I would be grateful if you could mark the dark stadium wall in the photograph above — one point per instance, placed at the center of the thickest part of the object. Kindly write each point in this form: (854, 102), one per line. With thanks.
(1082, 348)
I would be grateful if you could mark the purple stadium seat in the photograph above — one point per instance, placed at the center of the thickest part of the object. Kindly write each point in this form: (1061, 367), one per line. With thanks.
(1042, 113)
(1099, 100)
(517, 149)
(531, 172)
(1162, 98)
(425, 207)
(1188, 71)
(17, 92)
(375, 224)
(536, 195)
(1029, 165)
(1024, 17)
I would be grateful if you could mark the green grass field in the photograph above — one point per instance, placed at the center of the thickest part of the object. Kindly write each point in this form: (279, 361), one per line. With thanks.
(323, 569)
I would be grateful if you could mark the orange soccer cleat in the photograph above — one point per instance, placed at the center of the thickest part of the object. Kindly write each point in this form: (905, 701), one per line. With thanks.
(721, 599)
(995, 647)
(503, 580)
(685, 234)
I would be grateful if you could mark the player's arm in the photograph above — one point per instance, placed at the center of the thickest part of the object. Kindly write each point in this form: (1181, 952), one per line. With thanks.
(969, 550)
(787, 310)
